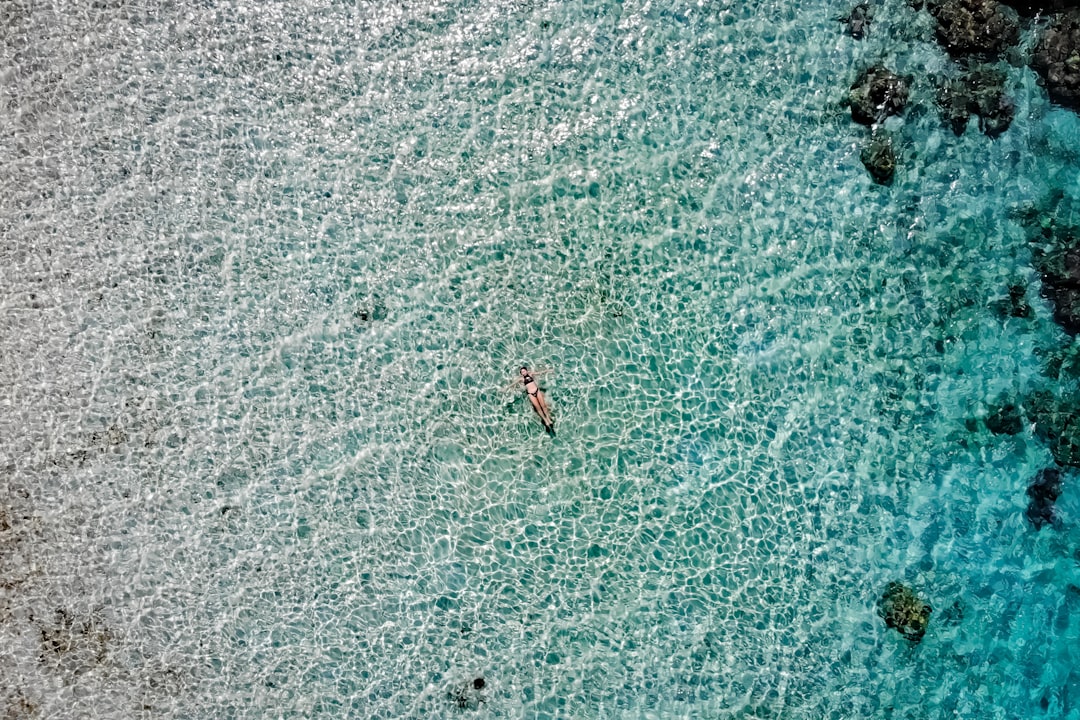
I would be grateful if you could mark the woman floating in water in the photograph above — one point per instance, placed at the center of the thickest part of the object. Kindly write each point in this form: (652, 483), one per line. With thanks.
(536, 397)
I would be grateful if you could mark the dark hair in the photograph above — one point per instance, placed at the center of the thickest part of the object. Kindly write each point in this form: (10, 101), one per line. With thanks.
(478, 683)
(525, 368)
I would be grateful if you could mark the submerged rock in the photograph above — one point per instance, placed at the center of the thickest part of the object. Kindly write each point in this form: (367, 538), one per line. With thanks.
(1015, 304)
(1058, 263)
(1005, 419)
(858, 21)
(953, 615)
(1057, 59)
(975, 27)
(1018, 306)
(979, 91)
(1057, 424)
(1028, 8)
(1062, 364)
(1044, 492)
(878, 93)
(904, 611)
(373, 311)
(469, 696)
(879, 159)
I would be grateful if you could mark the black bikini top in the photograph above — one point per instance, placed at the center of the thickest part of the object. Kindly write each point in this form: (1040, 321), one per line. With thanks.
(526, 380)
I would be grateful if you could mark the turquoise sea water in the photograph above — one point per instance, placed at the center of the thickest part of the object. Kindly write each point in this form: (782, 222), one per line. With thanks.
(269, 267)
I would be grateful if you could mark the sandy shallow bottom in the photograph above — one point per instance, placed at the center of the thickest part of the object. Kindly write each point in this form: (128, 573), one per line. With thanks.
(270, 267)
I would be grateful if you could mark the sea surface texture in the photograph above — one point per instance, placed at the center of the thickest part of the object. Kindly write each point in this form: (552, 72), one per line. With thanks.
(269, 270)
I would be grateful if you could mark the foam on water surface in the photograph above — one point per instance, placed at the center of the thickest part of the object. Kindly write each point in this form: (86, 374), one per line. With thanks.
(270, 267)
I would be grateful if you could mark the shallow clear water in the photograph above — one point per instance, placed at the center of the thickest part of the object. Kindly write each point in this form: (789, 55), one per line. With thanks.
(269, 268)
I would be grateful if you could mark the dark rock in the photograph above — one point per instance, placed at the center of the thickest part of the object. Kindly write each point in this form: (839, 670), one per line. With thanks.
(1057, 424)
(1044, 492)
(980, 91)
(904, 611)
(1065, 445)
(975, 27)
(1057, 59)
(1058, 263)
(879, 159)
(955, 107)
(1005, 420)
(858, 21)
(1066, 299)
(877, 94)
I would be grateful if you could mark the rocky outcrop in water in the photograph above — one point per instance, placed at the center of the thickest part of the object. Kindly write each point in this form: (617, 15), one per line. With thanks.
(879, 159)
(904, 611)
(858, 21)
(979, 91)
(1044, 491)
(1057, 59)
(974, 27)
(876, 94)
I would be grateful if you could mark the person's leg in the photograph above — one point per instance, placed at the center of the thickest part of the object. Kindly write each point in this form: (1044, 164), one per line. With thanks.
(546, 414)
(538, 407)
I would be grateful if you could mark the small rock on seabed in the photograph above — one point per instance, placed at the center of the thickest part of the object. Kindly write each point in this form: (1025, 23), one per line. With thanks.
(469, 696)
(858, 21)
(904, 611)
(879, 159)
